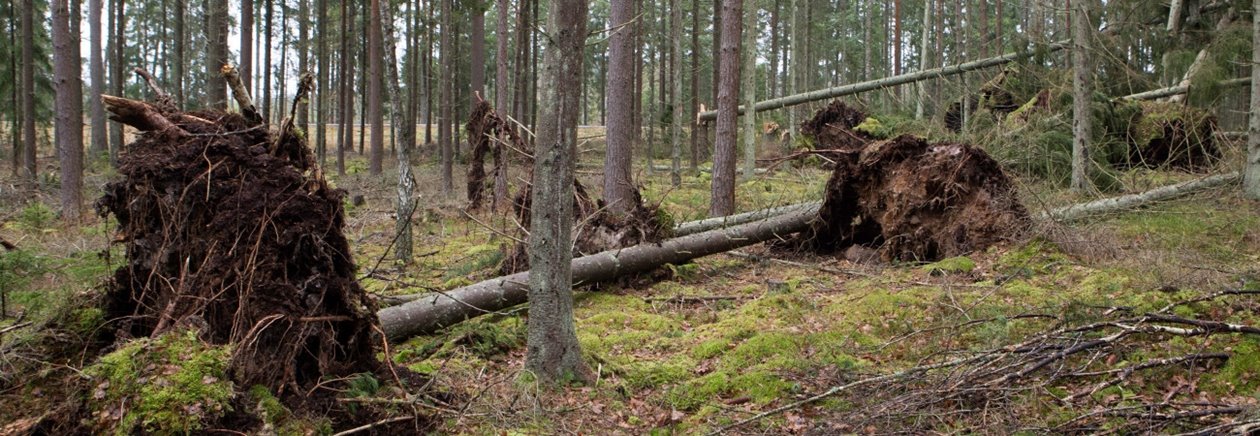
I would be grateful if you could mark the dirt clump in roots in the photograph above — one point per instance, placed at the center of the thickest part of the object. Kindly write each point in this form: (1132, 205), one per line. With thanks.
(595, 227)
(914, 201)
(231, 230)
(1173, 135)
(832, 128)
(487, 132)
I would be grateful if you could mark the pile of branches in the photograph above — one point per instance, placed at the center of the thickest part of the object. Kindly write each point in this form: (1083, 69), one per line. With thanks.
(1093, 370)
(231, 230)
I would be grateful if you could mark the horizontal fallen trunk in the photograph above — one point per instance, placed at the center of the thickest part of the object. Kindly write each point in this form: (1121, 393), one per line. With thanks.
(704, 225)
(886, 82)
(1125, 202)
(702, 169)
(1180, 89)
(437, 311)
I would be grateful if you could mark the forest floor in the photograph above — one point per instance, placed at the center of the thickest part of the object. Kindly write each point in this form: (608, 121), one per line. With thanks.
(707, 344)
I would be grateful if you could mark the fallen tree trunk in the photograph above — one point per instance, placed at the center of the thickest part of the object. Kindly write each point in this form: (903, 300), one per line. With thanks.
(886, 82)
(704, 225)
(1180, 89)
(1125, 202)
(436, 311)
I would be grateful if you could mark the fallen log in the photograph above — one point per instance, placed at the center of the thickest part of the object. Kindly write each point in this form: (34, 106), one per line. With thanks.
(704, 225)
(1180, 89)
(1125, 202)
(436, 311)
(887, 82)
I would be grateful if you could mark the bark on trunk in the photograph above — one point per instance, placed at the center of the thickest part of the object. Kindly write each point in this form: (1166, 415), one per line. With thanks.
(676, 115)
(749, 79)
(887, 82)
(722, 196)
(28, 88)
(100, 137)
(552, 348)
(69, 105)
(1081, 91)
(374, 113)
(217, 53)
(436, 311)
(1251, 181)
(619, 188)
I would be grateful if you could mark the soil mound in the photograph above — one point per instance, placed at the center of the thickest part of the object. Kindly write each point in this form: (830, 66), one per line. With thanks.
(1173, 135)
(914, 201)
(832, 128)
(595, 227)
(231, 230)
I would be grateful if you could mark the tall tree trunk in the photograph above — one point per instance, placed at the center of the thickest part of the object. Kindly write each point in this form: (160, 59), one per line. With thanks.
(722, 201)
(374, 113)
(345, 120)
(265, 68)
(28, 91)
(793, 64)
(247, 43)
(321, 80)
(179, 62)
(217, 52)
(118, 71)
(444, 98)
(552, 349)
(69, 105)
(303, 65)
(677, 115)
(501, 88)
(749, 76)
(695, 85)
(100, 135)
(924, 58)
(772, 79)
(896, 37)
(15, 129)
(1081, 92)
(717, 47)
(1251, 175)
(477, 57)
(428, 75)
(619, 188)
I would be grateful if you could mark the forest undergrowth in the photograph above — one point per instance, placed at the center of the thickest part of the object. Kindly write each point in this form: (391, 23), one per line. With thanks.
(1142, 299)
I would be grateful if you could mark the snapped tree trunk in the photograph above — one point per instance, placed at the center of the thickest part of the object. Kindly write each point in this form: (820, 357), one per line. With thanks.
(434, 312)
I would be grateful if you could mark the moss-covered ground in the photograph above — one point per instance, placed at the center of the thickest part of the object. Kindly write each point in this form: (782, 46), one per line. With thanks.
(765, 334)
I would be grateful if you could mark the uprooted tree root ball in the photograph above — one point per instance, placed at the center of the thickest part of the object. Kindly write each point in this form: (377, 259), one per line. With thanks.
(914, 201)
(595, 227)
(230, 230)
(833, 128)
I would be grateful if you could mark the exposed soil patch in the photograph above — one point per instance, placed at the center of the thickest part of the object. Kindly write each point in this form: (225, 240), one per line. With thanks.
(231, 230)
(911, 200)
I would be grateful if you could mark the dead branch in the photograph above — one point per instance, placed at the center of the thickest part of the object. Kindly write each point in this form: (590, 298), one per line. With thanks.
(143, 116)
(241, 94)
(305, 84)
(163, 100)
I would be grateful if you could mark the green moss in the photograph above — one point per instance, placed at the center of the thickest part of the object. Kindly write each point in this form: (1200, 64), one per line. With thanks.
(953, 265)
(172, 384)
(268, 406)
(779, 350)
(87, 320)
(874, 128)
